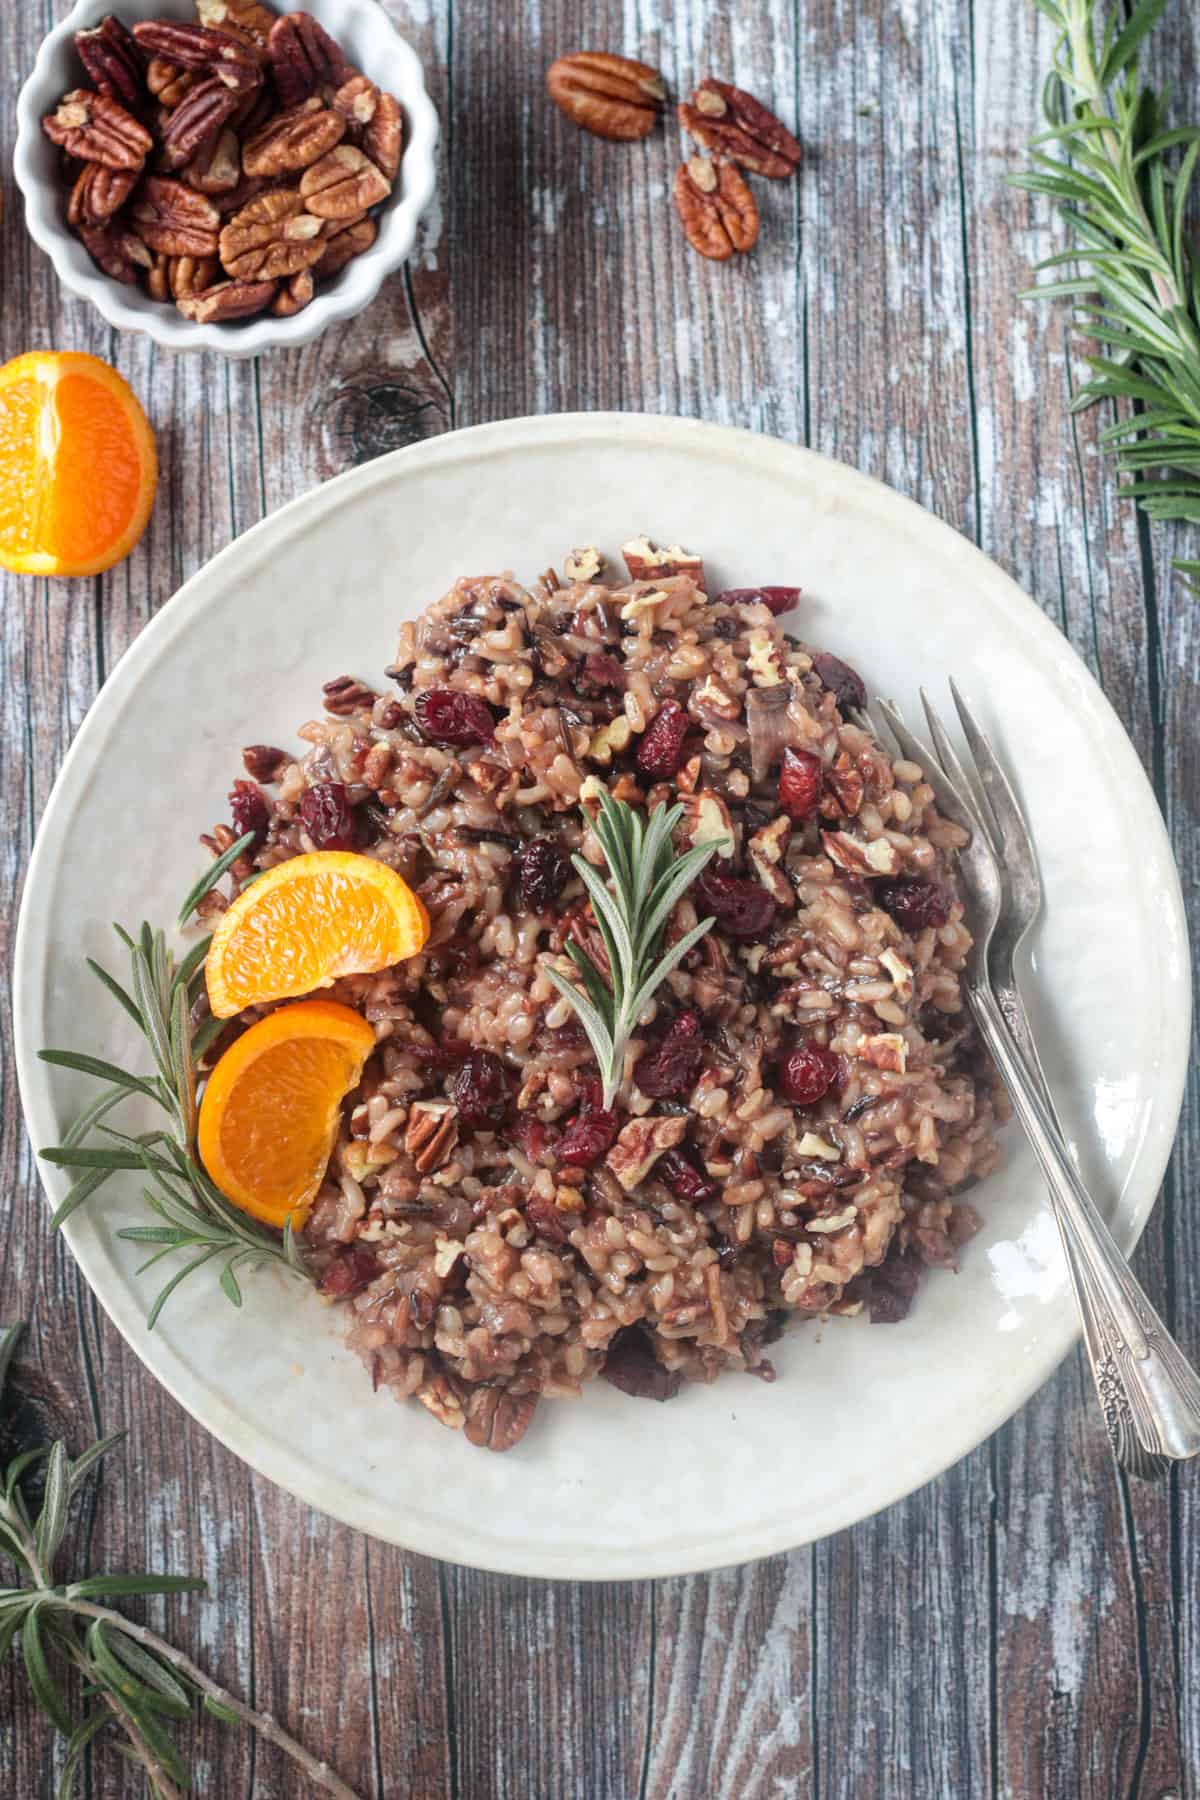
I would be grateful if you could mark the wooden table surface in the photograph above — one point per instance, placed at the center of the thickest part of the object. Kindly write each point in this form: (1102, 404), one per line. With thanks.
(1026, 1626)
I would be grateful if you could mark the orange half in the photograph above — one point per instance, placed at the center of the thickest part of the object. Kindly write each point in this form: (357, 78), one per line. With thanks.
(307, 921)
(269, 1115)
(78, 466)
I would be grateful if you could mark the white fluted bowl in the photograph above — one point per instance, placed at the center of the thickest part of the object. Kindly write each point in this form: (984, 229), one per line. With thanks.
(371, 43)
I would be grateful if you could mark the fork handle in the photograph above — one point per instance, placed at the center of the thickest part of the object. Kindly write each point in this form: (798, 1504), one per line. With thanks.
(1149, 1392)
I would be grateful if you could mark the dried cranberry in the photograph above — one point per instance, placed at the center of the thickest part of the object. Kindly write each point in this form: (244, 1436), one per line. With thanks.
(480, 1089)
(328, 817)
(447, 717)
(350, 1271)
(800, 783)
(590, 1133)
(913, 901)
(684, 1179)
(533, 1136)
(546, 1220)
(661, 749)
(779, 599)
(604, 671)
(844, 683)
(249, 811)
(807, 1073)
(741, 908)
(671, 1066)
(632, 1366)
(545, 871)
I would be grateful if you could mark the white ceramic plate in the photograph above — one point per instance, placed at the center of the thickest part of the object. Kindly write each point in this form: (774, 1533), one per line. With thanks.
(860, 1416)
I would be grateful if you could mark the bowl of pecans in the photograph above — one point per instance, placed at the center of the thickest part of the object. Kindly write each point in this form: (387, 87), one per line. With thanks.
(223, 175)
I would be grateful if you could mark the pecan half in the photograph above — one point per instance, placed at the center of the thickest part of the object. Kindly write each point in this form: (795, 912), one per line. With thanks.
(356, 100)
(431, 1134)
(342, 243)
(646, 562)
(293, 140)
(304, 58)
(167, 83)
(174, 219)
(240, 15)
(95, 128)
(293, 296)
(232, 58)
(610, 96)
(218, 167)
(716, 208)
(228, 300)
(383, 139)
(343, 185)
(271, 237)
(110, 56)
(727, 119)
(265, 762)
(496, 1420)
(640, 1144)
(116, 251)
(174, 277)
(98, 193)
(196, 119)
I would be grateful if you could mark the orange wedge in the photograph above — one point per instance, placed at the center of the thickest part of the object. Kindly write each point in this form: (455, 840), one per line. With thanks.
(307, 921)
(78, 467)
(269, 1116)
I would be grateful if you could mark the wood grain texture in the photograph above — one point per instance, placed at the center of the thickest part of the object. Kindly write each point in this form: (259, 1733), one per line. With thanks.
(1028, 1626)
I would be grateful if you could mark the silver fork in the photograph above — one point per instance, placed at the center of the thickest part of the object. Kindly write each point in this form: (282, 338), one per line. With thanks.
(1149, 1394)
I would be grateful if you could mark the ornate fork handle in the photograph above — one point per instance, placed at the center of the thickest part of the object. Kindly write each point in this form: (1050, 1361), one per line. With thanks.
(1149, 1393)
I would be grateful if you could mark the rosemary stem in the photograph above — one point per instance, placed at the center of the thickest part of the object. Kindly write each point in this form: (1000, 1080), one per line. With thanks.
(318, 1772)
(160, 1781)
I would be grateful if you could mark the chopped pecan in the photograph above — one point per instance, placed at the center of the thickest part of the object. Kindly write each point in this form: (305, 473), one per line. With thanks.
(95, 128)
(845, 788)
(437, 1395)
(496, 1419)
(383, 139)
(885, 1050)
(218, 167)
(98, 193)
(717, 210)
(293, 296)
(294, 139)
(343, 242)
(584, 565)
(265, 762)
(229, 56)
(766, 849)
(431, 1134)
(228, 300)
(114, 250)
(646, 562)
(727, 119)
(706, 820)
(109, 55)
(639, 1145)
(344, 184)
(196, 119)
(305, 58)
(271, 237)
(174, 219)
(345, 694)
(861, 856)
(239, 15)
(168, 83)
(611, 96)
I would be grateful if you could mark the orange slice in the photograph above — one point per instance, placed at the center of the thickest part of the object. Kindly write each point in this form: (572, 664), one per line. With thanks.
(78, 467)
(269, 1116)
(307, 921)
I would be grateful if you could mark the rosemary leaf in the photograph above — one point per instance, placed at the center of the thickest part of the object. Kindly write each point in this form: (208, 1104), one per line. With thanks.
(212, 875)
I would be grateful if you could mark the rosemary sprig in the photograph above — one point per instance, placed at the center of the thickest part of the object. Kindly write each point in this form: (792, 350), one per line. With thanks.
(648, 879)
(132, 1684)
(1122, 179)
(193, 1216)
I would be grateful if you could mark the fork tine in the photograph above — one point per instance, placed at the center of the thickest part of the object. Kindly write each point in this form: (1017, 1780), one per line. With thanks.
(1014, 833)
(953, 799)
(949, 758)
